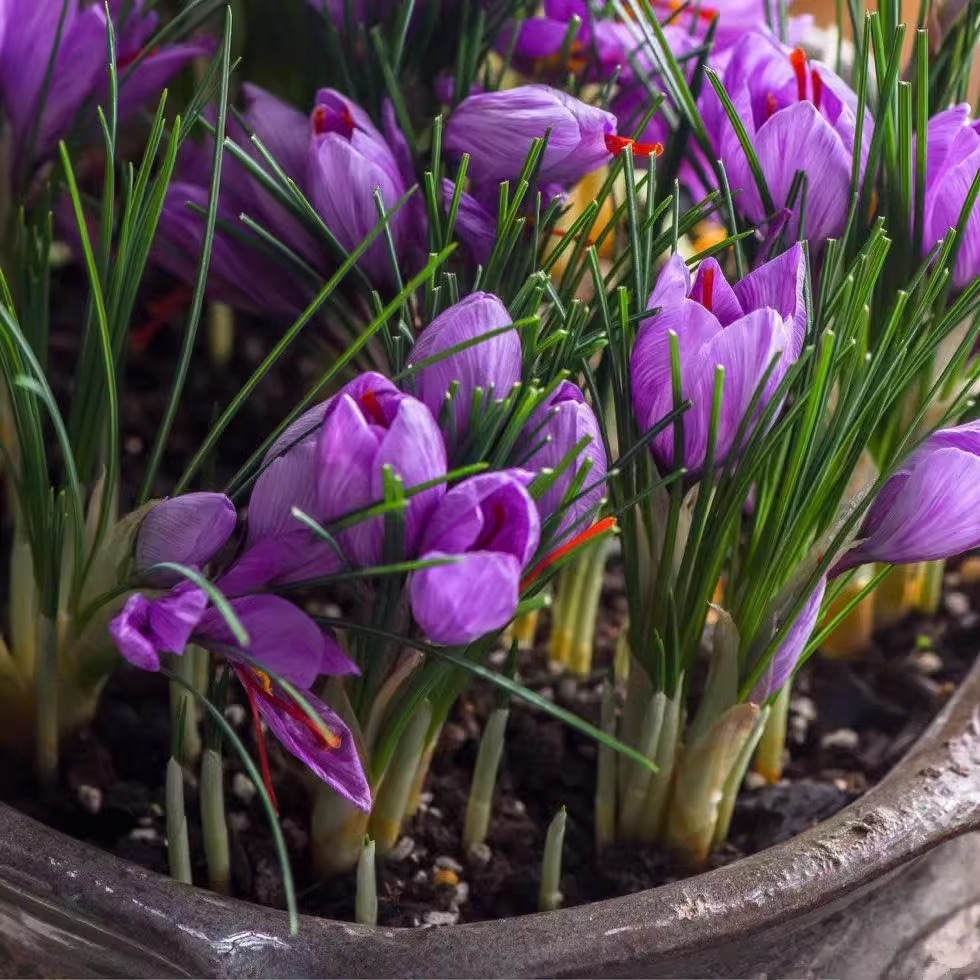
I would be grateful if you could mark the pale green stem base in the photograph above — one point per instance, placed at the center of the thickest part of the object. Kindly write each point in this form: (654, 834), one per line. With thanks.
(178, 847)
(550, 896)
(931, 587)
(183, 705)
(771, 754)
(480, 802)
(366, 898)
(213, 823)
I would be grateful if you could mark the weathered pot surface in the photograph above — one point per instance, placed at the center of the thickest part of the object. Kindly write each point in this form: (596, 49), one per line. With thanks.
(868, 893)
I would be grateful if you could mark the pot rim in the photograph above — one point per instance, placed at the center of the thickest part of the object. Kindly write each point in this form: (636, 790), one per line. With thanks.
(930, 796)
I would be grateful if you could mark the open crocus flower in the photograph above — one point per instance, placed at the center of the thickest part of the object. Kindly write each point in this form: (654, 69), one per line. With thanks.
(952, 161)
(799, 117)
(490, 524)
(742, 328)
(29, 34)
(930, 508)
(560, 424)
(349, 160)
(497, 129)
(368, 425)
(491, 366)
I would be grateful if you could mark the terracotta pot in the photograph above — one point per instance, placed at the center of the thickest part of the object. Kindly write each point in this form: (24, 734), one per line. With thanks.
(868, 893)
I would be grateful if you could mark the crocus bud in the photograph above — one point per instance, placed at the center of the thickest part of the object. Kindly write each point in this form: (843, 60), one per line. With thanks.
(490, 524)
(952, 162)
(187, 530)
(368, 425)
(787, 656)
(742, 328)
(799, 117)
(492, 365)
(930, 508)
(349, 161)
(551, 434)
(497, 129)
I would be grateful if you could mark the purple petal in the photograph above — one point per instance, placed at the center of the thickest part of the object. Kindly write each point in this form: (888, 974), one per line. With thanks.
(475, 225)
(493, 364)
(305, 428)
(712, 290)
(150, 77)
(281, 637)
(458, 603)
(188, 530)
(785, 659)
(145, 628)
(781, 286)
(336, 761)
(287, 482)
(283, 130)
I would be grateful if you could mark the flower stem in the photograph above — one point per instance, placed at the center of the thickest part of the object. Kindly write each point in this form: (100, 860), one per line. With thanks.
(930, 587)
(178, 847)
(895, 595)
(23, 599)
(771, 754)
(665, 758)
(605, 788)
(391, 799)
(523, 630)
(550, 896)
(590, 589)
(183, 708)
(366, 898)
(337, 833)
(734, 781)
(852, 637)
(213, 824)
(480, 802)
(46, 692)
(638, 782)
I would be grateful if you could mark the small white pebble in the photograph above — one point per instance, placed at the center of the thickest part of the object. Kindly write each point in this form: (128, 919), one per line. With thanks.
(146, 834)
(420, 877)
(89, 798)
(842, 738)
(957, 604)
(144, 822)
(754, 780)
(243, 788)
(434, 812)
(436, 918)
(797, 729)
(927, 662)
(402, 849)
(462, 895)
(804, 707)
(235, 715)
(447, 863)
(238, 821)
(480, 853)
(498, 657)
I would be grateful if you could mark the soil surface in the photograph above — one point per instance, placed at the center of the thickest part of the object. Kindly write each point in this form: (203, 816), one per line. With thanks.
(850, 721)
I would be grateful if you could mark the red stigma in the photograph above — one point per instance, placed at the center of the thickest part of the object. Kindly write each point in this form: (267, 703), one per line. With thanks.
(707, 288)
(616, 144)
(600, 527)
(817, 83)
(326, 120)
(702, 13)
(372, 410)
(771, 105)
(260, 742)
(797, 59)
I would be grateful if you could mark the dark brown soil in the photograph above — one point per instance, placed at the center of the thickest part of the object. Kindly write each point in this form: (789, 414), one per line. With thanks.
(850, 722)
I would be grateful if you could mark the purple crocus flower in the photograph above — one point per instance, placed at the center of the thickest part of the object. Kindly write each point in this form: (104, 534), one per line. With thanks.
(799, 117)
(740, 328)
(188, 530)
(492, 365)
(930, 508)
(367, 426)
(490, 524)
(148, 627)
(349, 160)
(952, 161)
(557, 426)
(786, 657)
(28, 36)
(497, 129)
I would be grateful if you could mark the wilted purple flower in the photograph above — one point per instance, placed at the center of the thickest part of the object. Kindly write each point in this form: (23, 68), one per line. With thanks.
(741, 328)
(188, 530)
(786, 657)
(930, 508)
(490, 524)
(328, 750)
(952, 161)
(369, 425)
(79, 75)
(349, 161)
(562, 422)
(492, 365)
(799, 117)
(497, 129)
(148, 627)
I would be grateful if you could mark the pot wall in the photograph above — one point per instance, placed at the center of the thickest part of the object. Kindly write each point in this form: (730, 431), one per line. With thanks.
(868, 893)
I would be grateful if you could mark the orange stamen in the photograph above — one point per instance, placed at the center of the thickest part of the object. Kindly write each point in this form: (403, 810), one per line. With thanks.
(616, 144)
(797, 59)
(600, 527)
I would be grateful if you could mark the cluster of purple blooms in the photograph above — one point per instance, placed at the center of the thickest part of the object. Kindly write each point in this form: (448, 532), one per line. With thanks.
(476, 537)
